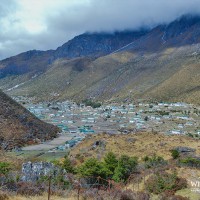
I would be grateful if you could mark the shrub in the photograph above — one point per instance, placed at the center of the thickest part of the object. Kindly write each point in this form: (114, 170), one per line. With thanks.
(190, 162)
(165, 182)
(116, 169)
(5, 168)
(65, 164)
(154, 161)
(166, 196)
(130, 195)
(93, 168)
(115, 194)
(91, 194)
(127, 195)
(89, 102)
(175, 154)
(126, 166)
(29, 189)
(110, 161)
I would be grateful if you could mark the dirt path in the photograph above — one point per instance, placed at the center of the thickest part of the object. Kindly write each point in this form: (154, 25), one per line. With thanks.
(49, 145)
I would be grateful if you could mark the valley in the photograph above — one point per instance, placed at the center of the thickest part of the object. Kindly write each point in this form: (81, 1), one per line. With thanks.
(78, 121)
(147, 130)
(107, 115)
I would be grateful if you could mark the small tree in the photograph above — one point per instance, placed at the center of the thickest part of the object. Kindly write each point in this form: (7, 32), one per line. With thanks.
(126, 166)
(93, 168)
(175, 154)
(110, 162)
(67, 165)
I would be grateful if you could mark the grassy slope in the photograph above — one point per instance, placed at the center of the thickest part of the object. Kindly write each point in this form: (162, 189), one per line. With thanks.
(184, 85)
(172, 75)
(143, 144)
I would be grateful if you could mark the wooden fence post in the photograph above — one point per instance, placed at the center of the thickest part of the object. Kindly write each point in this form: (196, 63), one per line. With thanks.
(49, 190)
(79, 189)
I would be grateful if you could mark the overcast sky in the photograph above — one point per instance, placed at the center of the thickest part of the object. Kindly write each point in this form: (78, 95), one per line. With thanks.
(47, 24)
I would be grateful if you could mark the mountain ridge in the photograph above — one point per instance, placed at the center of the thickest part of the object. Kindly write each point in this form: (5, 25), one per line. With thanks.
(103, 68)
(84, 45)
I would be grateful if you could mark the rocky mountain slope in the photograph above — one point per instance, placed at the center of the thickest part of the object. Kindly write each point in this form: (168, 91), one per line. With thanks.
(97, 44)
(19, 127)
(181, 32)
(88, 44)
(161, 64)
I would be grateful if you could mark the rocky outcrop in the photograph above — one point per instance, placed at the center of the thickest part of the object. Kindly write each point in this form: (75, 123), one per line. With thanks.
(32, 172)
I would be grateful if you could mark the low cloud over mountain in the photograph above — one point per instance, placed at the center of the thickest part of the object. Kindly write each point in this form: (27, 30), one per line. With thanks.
(45, 24)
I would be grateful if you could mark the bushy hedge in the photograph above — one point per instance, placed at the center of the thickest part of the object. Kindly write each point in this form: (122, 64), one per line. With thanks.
(165, 182)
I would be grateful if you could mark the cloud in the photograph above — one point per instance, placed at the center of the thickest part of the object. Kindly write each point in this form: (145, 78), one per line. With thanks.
(46, 24)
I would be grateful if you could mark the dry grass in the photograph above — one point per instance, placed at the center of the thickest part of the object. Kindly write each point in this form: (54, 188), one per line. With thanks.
(15, 161)
(184, 85)
(43, 197)
(189, 194)
(142, 144)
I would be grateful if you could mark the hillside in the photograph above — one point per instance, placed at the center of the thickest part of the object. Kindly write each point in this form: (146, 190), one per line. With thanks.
(160, 64)
(93, 45)
(97, 44)
(19, 127)
(139, 144)
(123, 75)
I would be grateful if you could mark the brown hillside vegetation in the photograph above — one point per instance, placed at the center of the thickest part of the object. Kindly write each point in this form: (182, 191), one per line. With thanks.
(139, 144)
(171, 75)
(184, 85)
(19, 127)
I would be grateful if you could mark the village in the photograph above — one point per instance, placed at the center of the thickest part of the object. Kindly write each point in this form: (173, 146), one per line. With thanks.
(77, 121)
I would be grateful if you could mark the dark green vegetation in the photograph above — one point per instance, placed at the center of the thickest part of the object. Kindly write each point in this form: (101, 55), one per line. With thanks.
(19, 127)
(165, 182)
(154, 161)
(190, 162)
(106, 178)
(113, 168)
(65, 164)
(118, 169)
(5, 168)
(89, 102)
(175, 154)
(159, 64)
